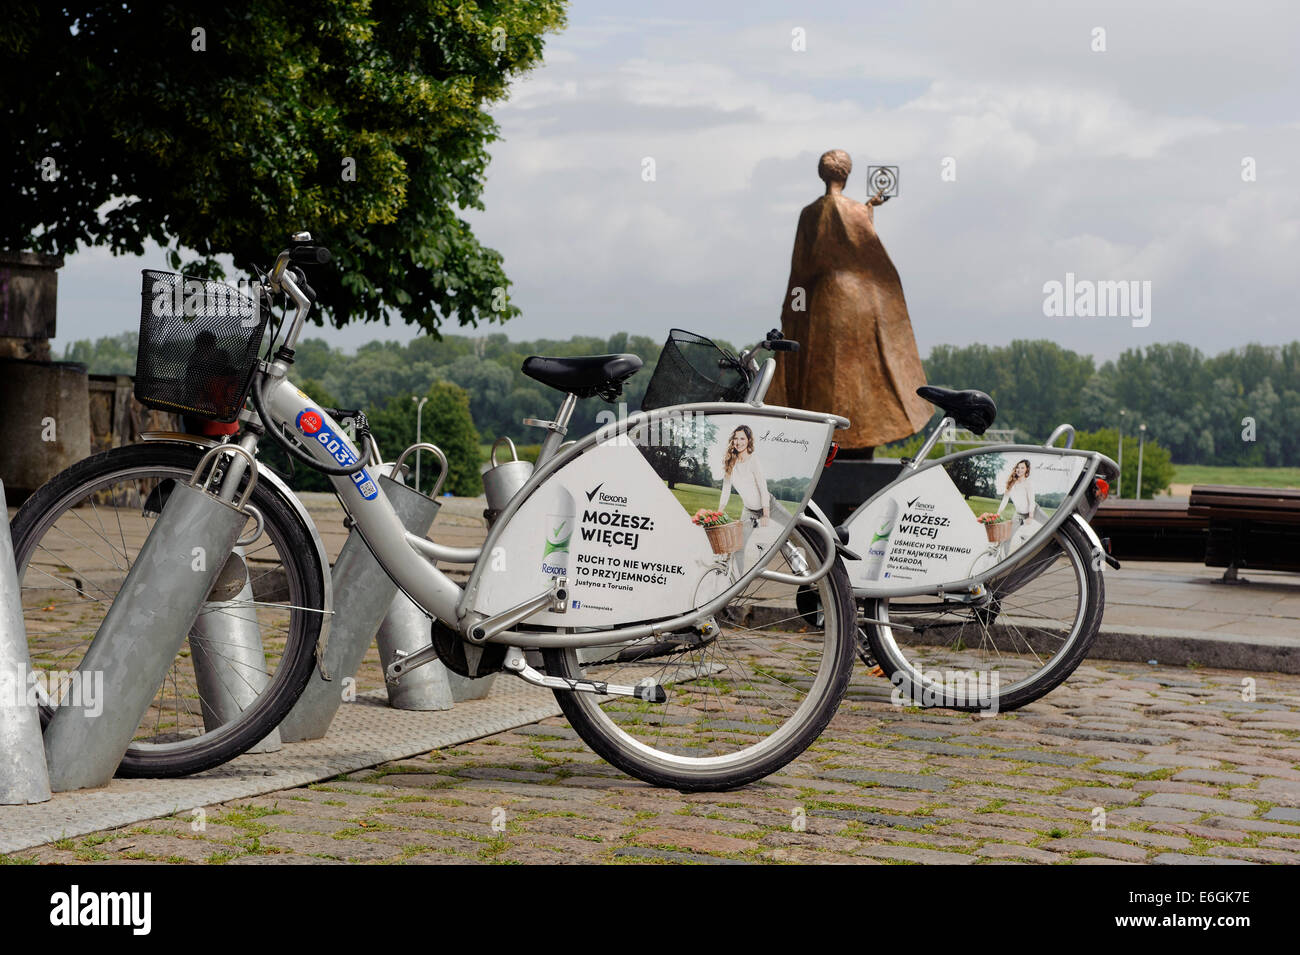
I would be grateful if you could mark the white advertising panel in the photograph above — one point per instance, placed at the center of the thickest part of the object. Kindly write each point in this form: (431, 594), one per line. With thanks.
(957, 520)
(655, 522)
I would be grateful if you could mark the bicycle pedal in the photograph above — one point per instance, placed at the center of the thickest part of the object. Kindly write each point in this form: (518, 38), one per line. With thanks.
(516, 662)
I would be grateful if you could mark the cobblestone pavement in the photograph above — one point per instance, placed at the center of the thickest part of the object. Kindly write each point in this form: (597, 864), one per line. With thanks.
(1124, 764)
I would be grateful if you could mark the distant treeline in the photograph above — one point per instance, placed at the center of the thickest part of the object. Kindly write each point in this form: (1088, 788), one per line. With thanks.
(1240, 407)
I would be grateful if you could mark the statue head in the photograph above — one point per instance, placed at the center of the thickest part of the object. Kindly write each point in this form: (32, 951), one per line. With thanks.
(834, 168)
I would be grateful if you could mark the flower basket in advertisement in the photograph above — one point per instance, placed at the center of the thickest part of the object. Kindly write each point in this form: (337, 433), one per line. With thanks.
(725, 535)
(725, 538)
(998, 531)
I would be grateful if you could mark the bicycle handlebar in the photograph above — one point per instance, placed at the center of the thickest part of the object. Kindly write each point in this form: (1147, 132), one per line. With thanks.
(774, 341)
(309, 255)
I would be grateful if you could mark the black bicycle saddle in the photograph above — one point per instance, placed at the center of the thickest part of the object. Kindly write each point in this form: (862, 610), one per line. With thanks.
(971, 409)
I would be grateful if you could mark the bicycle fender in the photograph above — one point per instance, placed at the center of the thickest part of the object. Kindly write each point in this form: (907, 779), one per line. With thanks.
(1097, 548)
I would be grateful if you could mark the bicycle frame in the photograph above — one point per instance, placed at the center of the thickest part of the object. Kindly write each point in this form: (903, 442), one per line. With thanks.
(410, 560)
(1077, 504)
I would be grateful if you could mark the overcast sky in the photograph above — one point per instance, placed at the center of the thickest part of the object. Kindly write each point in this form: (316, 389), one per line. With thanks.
(1122, 165)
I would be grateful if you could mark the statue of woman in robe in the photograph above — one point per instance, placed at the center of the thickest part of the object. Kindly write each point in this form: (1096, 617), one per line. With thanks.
(844, 305)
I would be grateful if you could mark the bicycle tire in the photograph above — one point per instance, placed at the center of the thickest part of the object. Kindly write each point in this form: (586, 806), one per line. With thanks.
(906, 669)
(304, 587)
(659, 767)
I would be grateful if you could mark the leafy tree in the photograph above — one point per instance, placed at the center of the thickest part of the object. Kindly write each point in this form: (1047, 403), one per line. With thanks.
(1241, 407)
(675, 446)
(975, 475)
(223, 130)
(112, 355)
(445, 422)
(1036, 384)
(1157, 465)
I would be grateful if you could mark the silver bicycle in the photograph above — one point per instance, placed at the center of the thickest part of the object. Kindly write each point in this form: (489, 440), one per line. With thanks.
(593, 562)
(960, 613)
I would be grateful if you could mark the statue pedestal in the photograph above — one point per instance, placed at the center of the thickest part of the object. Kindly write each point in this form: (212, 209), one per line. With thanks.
(846, 484)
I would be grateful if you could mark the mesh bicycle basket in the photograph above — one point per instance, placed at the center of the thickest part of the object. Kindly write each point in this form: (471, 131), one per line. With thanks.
(692, 368)
(199, 342)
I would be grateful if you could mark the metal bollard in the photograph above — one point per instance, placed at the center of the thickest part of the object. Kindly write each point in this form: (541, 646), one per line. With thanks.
(226, 643)
(407, 629)
(141, 634)
(362, 596)
(469, 688)
(23, 777)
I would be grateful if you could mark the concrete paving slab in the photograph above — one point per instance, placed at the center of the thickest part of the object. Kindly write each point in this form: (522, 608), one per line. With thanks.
(364, 733)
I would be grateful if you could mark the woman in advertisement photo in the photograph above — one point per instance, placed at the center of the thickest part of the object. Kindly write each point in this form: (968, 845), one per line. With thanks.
(1020, 492)
(743, 473)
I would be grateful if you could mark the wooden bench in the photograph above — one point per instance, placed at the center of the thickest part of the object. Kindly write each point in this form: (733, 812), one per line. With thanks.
(1159, 529)
(1248, 527)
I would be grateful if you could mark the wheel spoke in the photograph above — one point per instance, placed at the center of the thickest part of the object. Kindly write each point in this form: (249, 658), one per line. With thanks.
(77, 548)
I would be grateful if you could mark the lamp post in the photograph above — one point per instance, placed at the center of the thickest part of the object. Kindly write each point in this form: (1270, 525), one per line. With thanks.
(1119, 481)
(1142, 433)
(419, 411)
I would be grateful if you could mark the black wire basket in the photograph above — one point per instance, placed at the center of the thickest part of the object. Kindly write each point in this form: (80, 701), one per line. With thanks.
(693, 368)
(199, 344)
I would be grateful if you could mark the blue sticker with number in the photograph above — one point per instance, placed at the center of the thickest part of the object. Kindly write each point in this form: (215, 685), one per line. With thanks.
(312, 423)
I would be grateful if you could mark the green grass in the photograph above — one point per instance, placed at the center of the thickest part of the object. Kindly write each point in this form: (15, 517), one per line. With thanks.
(1248, 477)
(983, 505)
(695, 496)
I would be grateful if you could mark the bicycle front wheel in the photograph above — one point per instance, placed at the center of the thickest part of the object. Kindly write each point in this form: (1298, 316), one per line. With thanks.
(740, 704)
(76, 539)
(1011, 647)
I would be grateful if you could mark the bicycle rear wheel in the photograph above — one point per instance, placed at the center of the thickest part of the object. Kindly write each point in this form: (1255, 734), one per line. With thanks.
(740, 705)
(1018, 643)
(75, 540)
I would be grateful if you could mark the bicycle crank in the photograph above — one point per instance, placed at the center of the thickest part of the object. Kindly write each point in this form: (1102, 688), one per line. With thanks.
(517, 663)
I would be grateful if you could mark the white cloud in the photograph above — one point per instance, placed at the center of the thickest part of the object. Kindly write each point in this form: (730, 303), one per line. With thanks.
(1122, 165)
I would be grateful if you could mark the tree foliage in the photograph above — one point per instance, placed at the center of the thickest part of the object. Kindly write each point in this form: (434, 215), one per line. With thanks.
(121, 130)
(676, 446)
(1157, 464)
(1241, 407)
(976, 474)
(446, 422)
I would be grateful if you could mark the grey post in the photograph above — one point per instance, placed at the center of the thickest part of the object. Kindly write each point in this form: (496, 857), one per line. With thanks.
(23, 778)
(469, 688)
(406, 629)
(363, 593)
(226, 643)
(141, 634)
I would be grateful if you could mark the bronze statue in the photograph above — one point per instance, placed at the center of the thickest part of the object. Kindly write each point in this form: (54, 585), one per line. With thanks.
(844, 305)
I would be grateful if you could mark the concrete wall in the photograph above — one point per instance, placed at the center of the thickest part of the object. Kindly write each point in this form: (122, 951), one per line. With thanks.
(28, 301)
(46, 422)
(116, 418)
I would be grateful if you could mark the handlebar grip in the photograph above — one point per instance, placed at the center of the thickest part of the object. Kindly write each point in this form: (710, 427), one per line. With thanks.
(303, 285)
(783, 344)
(309, 255)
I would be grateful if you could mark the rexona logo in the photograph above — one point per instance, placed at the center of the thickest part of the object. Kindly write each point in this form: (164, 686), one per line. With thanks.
(597, 496)
(74, 908)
